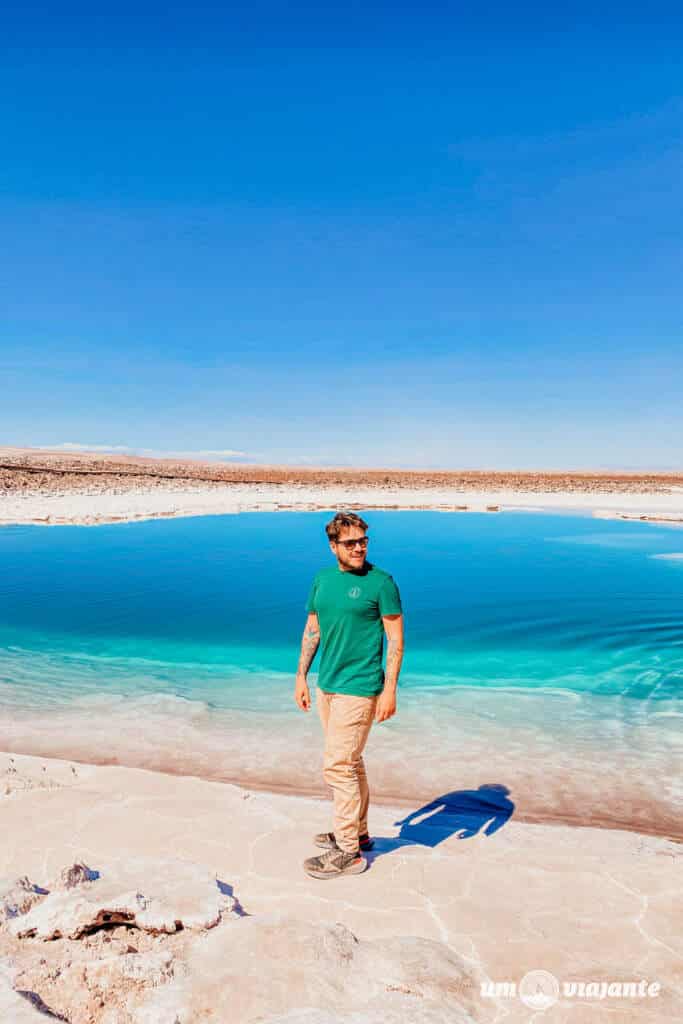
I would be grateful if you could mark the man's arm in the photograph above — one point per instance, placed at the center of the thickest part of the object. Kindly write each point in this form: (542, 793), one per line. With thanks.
(309, 645)
(386, 705)
(393, 627)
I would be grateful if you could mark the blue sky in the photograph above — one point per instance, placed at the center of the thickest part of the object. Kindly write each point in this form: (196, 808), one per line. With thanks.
(391, 235)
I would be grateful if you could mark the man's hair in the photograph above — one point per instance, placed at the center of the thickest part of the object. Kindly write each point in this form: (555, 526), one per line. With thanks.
(342, 520)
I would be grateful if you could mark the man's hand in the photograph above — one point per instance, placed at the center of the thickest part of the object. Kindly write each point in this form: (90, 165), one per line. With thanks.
(386, 705)
(301, 693)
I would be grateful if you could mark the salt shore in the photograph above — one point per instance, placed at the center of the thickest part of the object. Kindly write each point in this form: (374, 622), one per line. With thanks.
(190, 904)
(53, 487)
(99, 507)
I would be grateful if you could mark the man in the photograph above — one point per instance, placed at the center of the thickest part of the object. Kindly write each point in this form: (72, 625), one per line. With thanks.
(350, 606)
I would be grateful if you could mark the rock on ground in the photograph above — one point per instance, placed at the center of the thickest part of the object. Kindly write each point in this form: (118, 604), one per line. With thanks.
(266, 965)
(164, 942)
(154, 897)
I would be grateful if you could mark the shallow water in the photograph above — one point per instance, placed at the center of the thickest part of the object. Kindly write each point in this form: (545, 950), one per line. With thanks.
(543, 652)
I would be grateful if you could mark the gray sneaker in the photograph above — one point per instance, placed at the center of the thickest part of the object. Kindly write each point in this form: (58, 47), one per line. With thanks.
(326, 841)
(334, 863)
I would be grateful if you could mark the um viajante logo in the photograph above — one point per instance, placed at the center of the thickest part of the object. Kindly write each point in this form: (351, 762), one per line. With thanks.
(539, 990)
(354, 592)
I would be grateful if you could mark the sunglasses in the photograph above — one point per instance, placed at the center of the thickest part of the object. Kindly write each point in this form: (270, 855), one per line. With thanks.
(349, 544)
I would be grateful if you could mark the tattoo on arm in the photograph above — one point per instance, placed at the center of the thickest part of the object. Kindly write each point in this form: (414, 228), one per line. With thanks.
(394, 659)
(309, 646)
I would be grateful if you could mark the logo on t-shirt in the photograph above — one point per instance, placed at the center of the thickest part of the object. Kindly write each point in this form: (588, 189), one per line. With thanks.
(354, 592)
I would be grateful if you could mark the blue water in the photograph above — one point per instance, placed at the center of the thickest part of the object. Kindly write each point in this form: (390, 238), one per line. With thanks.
(525, 598)
(198, 620)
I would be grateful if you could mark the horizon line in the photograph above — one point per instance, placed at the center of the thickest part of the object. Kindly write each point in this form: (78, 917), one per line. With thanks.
(125, 451)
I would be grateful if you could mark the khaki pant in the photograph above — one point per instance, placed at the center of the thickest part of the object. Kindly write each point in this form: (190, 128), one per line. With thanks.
(346, 722)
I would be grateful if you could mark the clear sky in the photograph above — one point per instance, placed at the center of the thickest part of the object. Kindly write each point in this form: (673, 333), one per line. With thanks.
(380, 234)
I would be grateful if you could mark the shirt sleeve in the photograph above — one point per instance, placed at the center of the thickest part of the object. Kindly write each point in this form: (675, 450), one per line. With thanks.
(310, 600)
(389, 598)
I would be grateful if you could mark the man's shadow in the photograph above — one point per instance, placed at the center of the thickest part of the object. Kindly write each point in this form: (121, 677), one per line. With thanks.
(463, 813)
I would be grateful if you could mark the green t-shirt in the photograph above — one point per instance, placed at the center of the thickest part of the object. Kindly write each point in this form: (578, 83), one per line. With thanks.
(350, 606)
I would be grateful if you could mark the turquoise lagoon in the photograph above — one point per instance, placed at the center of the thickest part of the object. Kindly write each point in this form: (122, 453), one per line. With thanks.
(544, 652)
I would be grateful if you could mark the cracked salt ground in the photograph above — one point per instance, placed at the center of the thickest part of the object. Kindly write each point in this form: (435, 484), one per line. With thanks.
(192, 980)
(410, 940)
